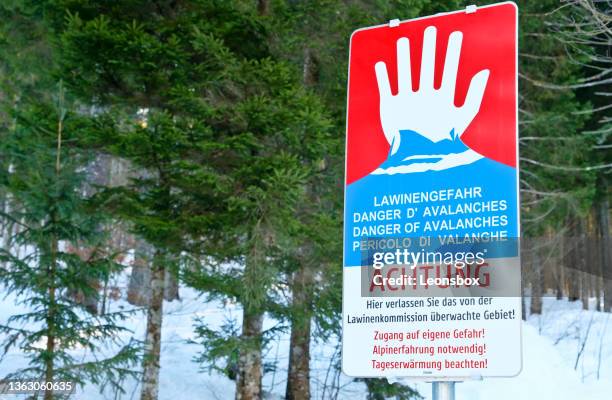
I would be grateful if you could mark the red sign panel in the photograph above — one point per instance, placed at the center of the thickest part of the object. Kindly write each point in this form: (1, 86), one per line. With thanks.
(488, 43)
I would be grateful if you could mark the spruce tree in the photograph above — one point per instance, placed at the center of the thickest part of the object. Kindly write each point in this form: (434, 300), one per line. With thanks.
(557, 183)
(162, 79)
(315, 37)
(283, 130)
(227, 129)
(43, 173)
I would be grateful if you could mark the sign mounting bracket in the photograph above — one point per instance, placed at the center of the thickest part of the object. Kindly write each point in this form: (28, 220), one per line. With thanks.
(394, 23)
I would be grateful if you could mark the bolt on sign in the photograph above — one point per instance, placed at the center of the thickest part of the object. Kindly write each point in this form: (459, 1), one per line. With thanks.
(431, 283)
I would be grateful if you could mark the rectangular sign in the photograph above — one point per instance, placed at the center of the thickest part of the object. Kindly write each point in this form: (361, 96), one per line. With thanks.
(431, 282)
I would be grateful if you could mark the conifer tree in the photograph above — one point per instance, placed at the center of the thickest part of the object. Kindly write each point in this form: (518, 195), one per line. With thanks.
(283, 136)
(43, 173)
(556, 158)
(226, 128)
(315, 38)
(163, 79)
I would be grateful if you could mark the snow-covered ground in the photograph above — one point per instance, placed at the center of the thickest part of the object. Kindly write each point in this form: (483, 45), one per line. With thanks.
(551, 345)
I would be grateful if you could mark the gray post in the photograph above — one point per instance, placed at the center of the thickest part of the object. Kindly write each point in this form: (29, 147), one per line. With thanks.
(443, 390)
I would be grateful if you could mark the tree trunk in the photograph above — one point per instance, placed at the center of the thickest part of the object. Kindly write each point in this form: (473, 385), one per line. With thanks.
(310, 69)
(597, 256)
(263, 7)
(50, 348)
(583, 264)
(559, 265)
(138, 287)
(51, 275)
(598, 289)
(298, 380)
(572, 272)
(536, 282)
(88, 299)
(606, 252)
(50, 320)
(250, 370)
(523, 288)
(7, 226)
(140, 278)
(584, 290)
(150, 376)
(171, 286)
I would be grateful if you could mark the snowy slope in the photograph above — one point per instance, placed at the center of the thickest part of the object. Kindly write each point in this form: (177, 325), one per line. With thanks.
(550, 346)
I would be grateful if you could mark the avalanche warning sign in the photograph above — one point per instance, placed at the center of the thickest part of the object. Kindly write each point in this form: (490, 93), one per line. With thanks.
(431, 282)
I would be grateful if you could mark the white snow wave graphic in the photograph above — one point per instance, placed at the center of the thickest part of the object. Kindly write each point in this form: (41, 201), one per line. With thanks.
(447, 161)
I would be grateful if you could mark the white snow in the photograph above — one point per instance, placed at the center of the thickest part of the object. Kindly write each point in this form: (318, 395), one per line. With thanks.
(551, 343)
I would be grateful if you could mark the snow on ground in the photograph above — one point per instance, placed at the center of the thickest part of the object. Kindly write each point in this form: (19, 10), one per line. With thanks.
(551, 344)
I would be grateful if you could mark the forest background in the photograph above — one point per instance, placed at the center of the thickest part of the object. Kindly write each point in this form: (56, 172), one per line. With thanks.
(151, 147)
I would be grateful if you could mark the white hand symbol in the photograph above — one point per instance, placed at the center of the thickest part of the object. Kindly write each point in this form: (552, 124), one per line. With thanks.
(428, 111)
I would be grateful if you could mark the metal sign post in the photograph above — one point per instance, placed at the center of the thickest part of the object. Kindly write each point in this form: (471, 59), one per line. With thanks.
(443, 390)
